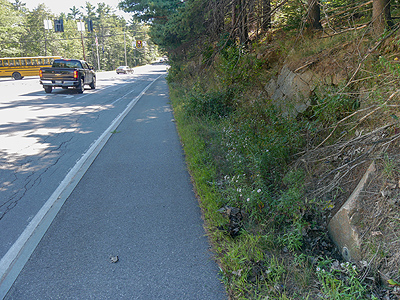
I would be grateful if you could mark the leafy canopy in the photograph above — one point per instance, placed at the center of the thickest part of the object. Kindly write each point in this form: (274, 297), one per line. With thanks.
(151, 10)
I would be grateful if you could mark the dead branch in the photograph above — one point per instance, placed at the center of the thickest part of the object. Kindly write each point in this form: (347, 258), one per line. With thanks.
(377, 44)
(356, 112)
(349, 9)
(378, 108)
(346, 30)
(305, 66)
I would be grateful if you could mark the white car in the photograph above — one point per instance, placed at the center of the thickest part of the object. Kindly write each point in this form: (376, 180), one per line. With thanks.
(124, 70)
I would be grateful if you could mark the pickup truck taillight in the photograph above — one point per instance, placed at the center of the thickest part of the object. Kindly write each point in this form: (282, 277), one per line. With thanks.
(75, 74)
(40, 73)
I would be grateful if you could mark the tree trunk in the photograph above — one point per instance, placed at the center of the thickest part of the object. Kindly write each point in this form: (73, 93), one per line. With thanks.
(381, 16)
(266, 15)
(234, 12)
(243, 26)
(314, 15)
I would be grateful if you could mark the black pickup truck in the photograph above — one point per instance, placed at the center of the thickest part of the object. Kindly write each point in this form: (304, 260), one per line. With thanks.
(66, 73)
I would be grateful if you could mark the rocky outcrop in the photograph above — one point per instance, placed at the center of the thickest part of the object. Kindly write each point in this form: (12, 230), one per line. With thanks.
(292, 91)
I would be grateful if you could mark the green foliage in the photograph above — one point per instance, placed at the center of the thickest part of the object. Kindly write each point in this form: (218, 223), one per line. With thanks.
(154, 10)
(340, 281)
(389, 166)
(293, 15)
(391, 66)
(11, 30)
(276, 271)
(172, 21)
(215, 104)
(331, 106)
(292, 238)
(273, 164)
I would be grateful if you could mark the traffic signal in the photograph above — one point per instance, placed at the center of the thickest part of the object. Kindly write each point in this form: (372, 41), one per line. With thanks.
(90, 25)
(59, 25)
(139, 44)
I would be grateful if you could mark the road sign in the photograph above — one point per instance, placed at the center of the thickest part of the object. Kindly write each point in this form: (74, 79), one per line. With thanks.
(59, 25)
(81, 26)
(48, 24)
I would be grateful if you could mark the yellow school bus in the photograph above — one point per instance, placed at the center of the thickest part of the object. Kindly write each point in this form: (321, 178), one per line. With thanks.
(18, 67)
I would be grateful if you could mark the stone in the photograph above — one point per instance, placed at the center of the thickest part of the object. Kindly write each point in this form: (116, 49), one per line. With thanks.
(342, 227)
(291, 91)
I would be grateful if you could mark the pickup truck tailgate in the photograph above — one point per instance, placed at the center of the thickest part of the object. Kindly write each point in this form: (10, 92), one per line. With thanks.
(57, 74)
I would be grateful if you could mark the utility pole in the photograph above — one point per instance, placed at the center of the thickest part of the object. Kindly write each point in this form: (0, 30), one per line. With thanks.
(97, 48)
(81, 28)
(126, 62)
(47, 26)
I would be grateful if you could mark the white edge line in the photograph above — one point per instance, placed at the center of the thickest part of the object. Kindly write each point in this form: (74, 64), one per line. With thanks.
(10, 259)
(115, 101)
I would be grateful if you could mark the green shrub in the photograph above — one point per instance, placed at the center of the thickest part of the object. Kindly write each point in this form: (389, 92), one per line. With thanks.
(273, 164)
(332, 106)
(212, 104)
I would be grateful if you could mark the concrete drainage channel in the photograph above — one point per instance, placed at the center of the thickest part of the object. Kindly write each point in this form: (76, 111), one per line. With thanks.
(342, 227)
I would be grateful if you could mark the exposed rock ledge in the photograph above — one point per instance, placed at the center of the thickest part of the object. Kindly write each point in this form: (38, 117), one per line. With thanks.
(292, 91)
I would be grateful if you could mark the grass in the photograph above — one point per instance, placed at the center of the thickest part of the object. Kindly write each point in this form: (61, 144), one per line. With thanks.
(227, 160)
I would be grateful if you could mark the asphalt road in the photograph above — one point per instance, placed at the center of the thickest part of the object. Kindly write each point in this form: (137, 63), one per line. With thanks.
(135, 202)
(42, 136)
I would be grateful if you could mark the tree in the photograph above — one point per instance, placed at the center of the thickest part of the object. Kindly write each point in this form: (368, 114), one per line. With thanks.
(266, 15)
(39, 41)
(381, 16)
(11, 29)
(74, 13)
(314, 15)
(243, 24)
(91, 10)
(239, 19)
(19, 5)
(151, 10)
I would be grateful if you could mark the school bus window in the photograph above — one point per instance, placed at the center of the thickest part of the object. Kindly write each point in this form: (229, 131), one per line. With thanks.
(34, 62)
(40, 61)
(51, 60)
(11, 62)
(6, 63)
(17, 62)
(1, 63)
(46, 61)
(28, 62)
(23, 62)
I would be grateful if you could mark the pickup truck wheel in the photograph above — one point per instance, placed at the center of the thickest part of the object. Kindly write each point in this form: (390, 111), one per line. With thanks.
(81, 87)
(48, 89)
(17, 76)
(93, 84)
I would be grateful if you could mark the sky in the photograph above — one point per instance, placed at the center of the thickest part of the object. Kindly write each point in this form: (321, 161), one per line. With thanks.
(59, 6)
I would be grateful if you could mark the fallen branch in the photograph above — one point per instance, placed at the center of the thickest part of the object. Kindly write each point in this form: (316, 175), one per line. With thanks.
(346, 30)
(349, 9)
(378, 108)
(368, 53)
(361, 120)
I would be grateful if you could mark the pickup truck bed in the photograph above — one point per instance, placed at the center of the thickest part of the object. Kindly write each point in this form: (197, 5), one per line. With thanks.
(66, 73)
